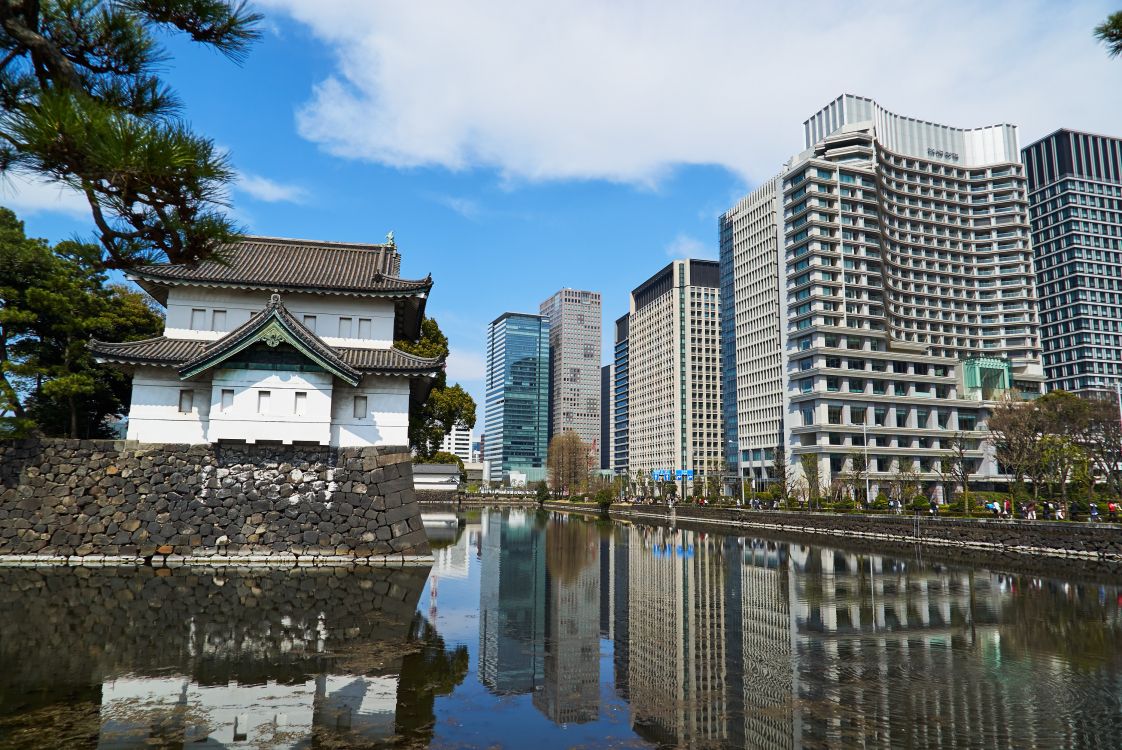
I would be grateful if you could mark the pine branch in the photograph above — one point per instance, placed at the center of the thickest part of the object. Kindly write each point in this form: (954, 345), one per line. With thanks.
(1109, 32)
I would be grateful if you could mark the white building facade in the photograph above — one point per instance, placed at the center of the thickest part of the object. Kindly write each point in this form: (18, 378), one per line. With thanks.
(906, 298)
(286, 341)
(458, 441)
(574, 365)
(674, 389)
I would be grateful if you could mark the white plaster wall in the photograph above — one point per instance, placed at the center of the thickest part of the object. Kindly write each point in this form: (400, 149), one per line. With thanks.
(243, 421)
(387, 418)
(154, 415)
(240, 305)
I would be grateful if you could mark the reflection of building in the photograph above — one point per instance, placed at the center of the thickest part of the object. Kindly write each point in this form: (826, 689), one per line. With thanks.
(512, 595)
(677, 657)
(261, 658)
(620, 599)
(571, 690)
(455, 560)
(180, 712)
(766, 693)
(517, 409)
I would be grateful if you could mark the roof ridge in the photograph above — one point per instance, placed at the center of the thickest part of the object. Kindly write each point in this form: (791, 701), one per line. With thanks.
(322, 243)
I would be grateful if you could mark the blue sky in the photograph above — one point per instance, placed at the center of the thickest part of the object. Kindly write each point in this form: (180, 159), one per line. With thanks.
(515, 148)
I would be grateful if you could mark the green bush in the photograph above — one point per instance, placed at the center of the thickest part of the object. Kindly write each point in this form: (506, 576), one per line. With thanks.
(604, 498)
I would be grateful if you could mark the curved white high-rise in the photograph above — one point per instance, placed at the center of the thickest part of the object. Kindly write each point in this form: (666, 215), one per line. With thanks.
(907, 295)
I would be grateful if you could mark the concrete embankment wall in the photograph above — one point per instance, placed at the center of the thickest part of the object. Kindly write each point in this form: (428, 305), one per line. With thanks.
(1098, 541)
(93, 500)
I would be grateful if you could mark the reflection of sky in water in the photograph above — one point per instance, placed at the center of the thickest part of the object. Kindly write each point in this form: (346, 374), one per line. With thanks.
(557, 633)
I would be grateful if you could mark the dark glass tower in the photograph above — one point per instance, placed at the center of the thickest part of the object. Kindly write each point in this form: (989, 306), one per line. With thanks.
(1075, 205)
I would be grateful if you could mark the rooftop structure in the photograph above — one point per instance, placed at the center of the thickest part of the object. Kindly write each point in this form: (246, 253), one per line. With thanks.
(278, 340)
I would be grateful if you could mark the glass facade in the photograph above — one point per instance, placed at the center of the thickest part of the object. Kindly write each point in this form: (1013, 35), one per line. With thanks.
(1075, 202)
(517, 395)
(619, 396)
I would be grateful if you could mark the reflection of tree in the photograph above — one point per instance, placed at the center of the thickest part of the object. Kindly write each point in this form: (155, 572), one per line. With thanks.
(1072, 625)
(568, 548)
(433, 670)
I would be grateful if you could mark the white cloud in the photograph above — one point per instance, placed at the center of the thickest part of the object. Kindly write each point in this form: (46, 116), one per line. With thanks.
(685, 246)
(28, 195)
(465, 207)
(464, 366)
(269, 191)
(627, 90)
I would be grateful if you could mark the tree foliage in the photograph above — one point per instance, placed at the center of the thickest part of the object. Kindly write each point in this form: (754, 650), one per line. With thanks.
(83, 105)
(446, 407)
(52, 302)
(1109, 32)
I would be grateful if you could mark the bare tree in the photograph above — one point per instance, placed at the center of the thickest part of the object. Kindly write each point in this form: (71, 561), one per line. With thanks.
(783, 476)
(568, 463)
(809, 464)
(955, 466)
(1101, 438)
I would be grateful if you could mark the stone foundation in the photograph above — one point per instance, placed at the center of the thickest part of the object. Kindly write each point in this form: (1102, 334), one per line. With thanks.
(102, 499)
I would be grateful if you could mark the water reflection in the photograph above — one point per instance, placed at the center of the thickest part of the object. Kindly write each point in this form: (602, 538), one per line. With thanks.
(561, 632)
(176, 658)
(729, 642)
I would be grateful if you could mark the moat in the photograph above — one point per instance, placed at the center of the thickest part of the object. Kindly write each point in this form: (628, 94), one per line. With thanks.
(553, 631)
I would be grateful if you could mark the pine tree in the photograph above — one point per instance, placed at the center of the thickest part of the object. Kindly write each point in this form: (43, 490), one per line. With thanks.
(1109, 32)
(52, 302)
(83, 106)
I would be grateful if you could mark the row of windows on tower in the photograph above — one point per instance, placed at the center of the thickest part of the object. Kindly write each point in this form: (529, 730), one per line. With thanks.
(347, 326)
(360, 404)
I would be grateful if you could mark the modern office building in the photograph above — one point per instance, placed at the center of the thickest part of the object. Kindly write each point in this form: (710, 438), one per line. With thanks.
(1075, 202)
(606, 417)
(574, 352)
(517, 393)
(619, 397)
(752, 330)
(907, 296)
(674, 388)
(459, 443)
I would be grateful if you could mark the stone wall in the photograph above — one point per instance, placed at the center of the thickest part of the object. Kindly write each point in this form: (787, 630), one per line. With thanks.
(1098, 541)
(93, 498)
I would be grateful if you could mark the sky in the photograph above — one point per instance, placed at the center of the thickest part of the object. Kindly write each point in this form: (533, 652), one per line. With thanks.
(516, 147)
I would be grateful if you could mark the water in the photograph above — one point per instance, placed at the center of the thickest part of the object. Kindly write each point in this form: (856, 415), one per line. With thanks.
(543, 633)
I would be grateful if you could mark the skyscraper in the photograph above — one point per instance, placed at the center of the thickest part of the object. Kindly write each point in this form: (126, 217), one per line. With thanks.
(674, 391)
(906, 297)
(606, 417)
(1075, 201)
(752, 330)
(619, 398)
(574, 350)
(517, 393)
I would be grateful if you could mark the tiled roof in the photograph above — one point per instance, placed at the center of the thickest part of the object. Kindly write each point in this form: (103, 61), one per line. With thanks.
(293, 265)
(378, 360)
(155, 351)
(176, 353)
